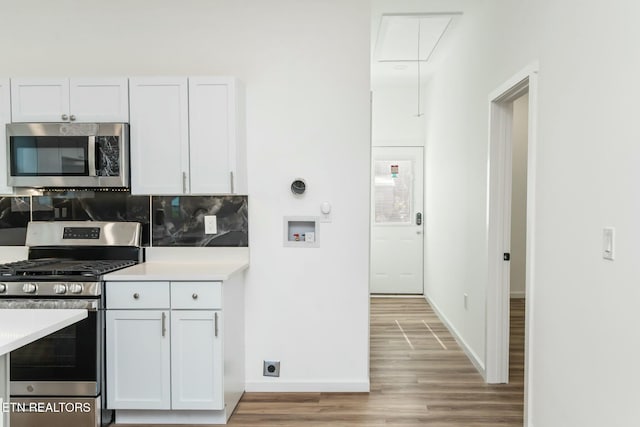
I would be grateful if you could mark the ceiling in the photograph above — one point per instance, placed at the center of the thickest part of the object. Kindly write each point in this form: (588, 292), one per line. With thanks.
(404, 43)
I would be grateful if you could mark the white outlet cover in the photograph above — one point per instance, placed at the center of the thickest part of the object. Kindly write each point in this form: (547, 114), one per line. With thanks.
(210, 224)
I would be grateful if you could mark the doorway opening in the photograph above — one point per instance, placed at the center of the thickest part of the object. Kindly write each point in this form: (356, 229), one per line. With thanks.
(397, 239)
(511, 220)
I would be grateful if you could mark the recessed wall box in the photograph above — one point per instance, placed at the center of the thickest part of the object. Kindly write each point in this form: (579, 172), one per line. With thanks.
(301, 231)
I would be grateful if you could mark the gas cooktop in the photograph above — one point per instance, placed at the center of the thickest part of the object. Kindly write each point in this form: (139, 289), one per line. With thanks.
(40, 269)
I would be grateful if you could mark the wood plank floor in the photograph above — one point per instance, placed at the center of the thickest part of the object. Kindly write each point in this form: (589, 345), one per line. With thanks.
(419, 377)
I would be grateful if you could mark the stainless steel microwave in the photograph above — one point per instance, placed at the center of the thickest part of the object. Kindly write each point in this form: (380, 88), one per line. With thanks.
(70, 155)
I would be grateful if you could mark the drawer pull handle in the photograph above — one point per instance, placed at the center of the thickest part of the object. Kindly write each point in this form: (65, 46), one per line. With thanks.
(216, 324)
(136, 295)
(164, 328)
(194, 296)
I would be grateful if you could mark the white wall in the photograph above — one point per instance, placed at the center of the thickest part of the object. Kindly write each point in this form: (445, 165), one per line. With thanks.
(519, 196)
(394, 115)
(583, 354)
(306, 68)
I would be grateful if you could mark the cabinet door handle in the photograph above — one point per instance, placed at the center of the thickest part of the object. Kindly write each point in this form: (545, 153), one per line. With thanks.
(215, 323)
(65, 117)
(72, 117)
(231, 181)
(136, 295)
(184, 182)
(164, 320)
(194, 296)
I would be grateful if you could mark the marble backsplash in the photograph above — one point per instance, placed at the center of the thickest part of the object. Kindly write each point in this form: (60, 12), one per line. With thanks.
(177, 220)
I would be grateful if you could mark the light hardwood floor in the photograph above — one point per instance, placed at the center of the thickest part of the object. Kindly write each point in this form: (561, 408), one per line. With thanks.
(419, 377)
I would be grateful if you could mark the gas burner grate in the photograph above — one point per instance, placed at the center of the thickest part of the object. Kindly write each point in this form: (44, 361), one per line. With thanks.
(12, 268)
(62, 267)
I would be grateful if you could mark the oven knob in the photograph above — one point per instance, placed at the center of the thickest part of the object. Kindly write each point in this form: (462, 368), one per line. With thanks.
(75, 288)
(60, 288)
(3, 287)
(29, 288)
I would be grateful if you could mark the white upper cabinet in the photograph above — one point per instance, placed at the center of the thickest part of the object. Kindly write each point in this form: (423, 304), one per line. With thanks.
(100, 100)
(187, 136)
(216, 136)
(5, 117)
(159, 135)
(83, 100)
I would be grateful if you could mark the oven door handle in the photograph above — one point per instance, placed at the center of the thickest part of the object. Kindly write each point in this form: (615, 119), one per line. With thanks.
(90, 305)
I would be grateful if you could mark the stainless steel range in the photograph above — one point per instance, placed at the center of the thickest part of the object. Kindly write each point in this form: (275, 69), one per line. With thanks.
(59, 380)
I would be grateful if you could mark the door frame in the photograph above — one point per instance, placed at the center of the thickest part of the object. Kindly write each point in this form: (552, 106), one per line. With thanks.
(498, 225)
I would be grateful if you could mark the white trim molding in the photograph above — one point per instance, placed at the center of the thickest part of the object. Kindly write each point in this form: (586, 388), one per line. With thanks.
(472, 355)
(498, 223)
(356, 386)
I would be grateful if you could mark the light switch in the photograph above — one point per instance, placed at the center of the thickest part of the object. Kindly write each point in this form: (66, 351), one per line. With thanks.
(210, 224)
(608, 243)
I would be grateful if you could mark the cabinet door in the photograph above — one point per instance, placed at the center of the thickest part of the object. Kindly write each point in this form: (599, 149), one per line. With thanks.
(39, 100)
(138, 359)
(212, 134)
(5, 117)
(159, 135)
(99, 100)
(196, 360)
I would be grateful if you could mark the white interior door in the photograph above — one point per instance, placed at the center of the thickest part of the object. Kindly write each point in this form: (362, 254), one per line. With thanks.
(397, 220)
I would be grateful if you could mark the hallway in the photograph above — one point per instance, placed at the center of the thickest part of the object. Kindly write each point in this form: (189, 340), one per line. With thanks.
(419, 377)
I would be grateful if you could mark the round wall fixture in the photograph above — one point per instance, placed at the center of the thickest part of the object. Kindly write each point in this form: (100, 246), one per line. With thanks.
(298, 186)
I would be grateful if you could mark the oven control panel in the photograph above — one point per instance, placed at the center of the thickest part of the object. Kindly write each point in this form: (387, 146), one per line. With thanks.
(50, 289)
(81, 233)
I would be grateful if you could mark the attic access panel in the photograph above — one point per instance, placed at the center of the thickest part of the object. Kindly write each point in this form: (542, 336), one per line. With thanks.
(397, 39)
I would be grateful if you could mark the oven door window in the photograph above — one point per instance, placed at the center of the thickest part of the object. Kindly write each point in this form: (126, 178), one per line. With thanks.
(67, 355)
(49, 155)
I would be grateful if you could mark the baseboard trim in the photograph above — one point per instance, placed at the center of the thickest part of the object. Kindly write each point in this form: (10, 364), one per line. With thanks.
(517, 294)
(308, 386)
(396, 296)
(471, 355)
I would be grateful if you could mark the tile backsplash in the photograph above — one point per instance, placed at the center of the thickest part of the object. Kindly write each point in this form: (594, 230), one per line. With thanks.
(177, 220)
(15, 213)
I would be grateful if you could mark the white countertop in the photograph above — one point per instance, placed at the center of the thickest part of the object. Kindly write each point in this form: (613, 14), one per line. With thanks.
(186, 271)
(19, 327)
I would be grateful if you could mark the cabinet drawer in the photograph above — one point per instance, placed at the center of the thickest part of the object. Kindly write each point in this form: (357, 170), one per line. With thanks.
(137, 295)
(196, 295)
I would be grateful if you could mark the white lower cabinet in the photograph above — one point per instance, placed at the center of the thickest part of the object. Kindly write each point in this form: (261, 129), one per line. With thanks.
(138, 359)
(196, 360)
(165, 349)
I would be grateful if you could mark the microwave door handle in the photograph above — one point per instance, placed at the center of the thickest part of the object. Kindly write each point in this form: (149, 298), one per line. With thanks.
(91, 154)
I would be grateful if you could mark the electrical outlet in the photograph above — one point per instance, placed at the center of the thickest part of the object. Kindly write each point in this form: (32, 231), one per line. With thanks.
(210, 224)
(466, 301)
(271, 368)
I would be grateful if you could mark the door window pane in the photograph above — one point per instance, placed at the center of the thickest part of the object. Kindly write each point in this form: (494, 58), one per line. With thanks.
(393, 191)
